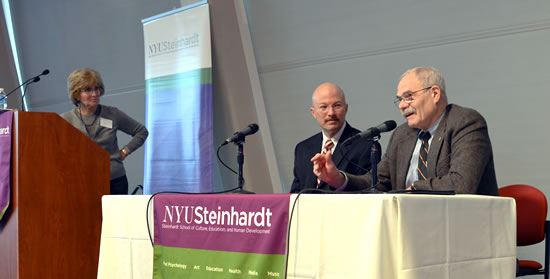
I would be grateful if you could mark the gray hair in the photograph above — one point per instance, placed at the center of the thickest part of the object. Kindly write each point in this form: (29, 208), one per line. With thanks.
(428, 76)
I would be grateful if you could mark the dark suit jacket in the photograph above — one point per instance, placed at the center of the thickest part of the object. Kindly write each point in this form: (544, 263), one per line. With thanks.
(357, 151)
(460, 157)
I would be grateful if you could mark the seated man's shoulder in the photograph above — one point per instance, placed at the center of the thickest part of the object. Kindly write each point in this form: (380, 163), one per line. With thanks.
(460, 110)
(310, 140)
(465, 114)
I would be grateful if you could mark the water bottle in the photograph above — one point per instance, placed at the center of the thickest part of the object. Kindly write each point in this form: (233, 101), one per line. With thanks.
(3, 99)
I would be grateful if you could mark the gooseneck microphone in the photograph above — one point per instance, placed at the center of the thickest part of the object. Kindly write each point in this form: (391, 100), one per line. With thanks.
(374, 131)
(240, 135)
(29, 81)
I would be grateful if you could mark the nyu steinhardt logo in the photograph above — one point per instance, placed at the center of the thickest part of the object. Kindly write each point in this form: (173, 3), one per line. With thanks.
(5, 131)
(200, 215)
(170, 46)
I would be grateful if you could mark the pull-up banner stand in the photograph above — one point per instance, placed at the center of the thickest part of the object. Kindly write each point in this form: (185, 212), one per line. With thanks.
(178, 105)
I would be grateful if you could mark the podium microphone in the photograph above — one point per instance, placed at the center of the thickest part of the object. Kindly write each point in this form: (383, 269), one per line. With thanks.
(374, 131)
(29, 81)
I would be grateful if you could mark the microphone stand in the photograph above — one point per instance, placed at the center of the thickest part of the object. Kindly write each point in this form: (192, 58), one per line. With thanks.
(375, 152)
(240, 162)
(23, 95)
(27, 82)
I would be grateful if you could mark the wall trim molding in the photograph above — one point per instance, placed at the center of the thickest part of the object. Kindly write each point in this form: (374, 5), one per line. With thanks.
(439, 41)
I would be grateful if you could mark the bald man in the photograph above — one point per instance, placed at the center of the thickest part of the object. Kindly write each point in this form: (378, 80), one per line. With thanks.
(329, 108)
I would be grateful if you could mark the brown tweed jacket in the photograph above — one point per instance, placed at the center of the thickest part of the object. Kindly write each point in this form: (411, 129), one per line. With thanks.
(460, 157)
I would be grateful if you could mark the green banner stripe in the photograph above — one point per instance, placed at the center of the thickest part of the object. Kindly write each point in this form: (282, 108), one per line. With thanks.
(180, 80)
(172, 262)
(4, 210)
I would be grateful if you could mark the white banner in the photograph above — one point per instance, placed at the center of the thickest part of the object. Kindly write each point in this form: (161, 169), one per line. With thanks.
(179, 116)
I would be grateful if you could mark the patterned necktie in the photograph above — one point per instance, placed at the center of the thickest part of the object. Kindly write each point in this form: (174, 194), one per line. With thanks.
(328, 146)
(423, 156)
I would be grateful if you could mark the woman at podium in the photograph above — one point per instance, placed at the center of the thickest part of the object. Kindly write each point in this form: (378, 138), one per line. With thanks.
(101, 123)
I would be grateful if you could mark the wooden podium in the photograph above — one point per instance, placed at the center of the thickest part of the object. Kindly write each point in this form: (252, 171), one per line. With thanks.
(53, 225)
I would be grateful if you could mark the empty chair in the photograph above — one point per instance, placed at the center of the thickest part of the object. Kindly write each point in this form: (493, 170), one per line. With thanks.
(532, 226)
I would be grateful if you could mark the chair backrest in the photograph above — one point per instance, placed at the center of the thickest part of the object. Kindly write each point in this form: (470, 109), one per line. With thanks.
(531, 208)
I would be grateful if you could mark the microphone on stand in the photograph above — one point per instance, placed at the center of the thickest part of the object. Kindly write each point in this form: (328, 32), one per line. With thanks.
(374, 131)
(238, 139)
(240, 135)
(372, 134)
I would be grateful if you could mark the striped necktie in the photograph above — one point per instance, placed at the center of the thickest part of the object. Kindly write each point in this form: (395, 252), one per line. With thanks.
(423, 156)
(328, 146)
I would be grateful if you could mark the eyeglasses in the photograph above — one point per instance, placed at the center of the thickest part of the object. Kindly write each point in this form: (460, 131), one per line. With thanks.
(408, 96)
(90, 89)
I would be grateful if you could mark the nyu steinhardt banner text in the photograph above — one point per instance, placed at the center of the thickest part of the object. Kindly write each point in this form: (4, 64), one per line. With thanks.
(220, 236)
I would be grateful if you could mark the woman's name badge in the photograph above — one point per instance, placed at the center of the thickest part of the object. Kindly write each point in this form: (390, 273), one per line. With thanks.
(107, 123)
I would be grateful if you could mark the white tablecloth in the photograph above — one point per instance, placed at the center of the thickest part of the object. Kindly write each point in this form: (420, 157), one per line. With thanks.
(125, 250)
(353, 236)
(403, 236)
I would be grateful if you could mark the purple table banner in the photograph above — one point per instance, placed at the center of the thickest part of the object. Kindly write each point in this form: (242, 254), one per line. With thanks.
(5, 159)
(220, 236)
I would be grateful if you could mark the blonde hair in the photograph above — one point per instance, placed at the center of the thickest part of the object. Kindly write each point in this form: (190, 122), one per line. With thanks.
(83, 78)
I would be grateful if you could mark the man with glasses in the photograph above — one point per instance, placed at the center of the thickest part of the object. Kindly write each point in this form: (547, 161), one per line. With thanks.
(441, 147)
(329, 108)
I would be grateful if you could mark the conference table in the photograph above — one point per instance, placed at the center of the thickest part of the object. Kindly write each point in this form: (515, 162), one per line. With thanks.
(352, 236)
